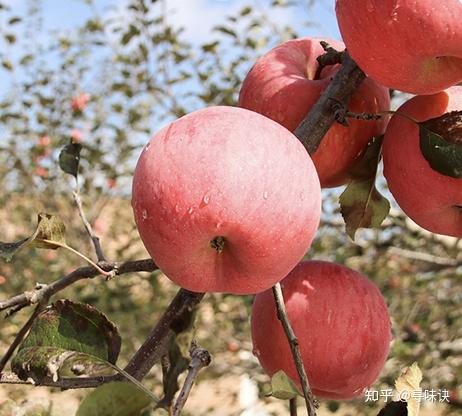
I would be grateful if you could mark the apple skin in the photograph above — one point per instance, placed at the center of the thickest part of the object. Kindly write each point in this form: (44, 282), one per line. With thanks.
(232, 173)
(342, 324)
(431, 199)
(284, 84)
(412, 46)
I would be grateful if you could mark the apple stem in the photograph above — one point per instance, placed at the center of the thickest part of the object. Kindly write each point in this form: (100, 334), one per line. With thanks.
(218, 243)
(409, 118)
(310, 401)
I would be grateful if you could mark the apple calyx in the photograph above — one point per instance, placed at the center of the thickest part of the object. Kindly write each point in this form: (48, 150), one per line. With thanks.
(218, 243)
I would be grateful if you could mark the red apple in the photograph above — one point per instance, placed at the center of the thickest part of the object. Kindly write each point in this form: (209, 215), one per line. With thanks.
(80, 102)
(286, 82)
(429, 198)
(342, 324)
(76, 135)
(226, 200)
(413, 46)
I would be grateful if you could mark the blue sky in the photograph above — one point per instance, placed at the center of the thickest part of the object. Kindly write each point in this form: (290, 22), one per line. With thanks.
(198, 17)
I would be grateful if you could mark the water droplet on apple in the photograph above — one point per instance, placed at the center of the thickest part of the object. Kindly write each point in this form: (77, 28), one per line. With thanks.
(205, 200)
(329, 317)
(177, 208)
(190, 210)
(265, 195)
(144, 214)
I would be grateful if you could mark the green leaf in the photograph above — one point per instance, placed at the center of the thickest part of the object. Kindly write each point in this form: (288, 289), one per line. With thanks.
(8, 250)
(94, 25)
(49, 227)
(282, 386)
(177, 364)
(7, 65)
(210, 47)
(245, 11)
(130, 34)
(26, 59)
(178, 360)
(14, 20)
(114, 399)
(10, 38)
(69, 158)
(441, 143)
(67, 338)
(226, 31)
(361, 204)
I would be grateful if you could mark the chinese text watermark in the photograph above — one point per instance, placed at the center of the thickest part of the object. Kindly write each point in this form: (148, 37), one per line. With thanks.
(432, 395)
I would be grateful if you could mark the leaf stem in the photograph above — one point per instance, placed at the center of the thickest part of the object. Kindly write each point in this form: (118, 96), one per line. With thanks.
(134, 381)
(78, 253)
(397, 113)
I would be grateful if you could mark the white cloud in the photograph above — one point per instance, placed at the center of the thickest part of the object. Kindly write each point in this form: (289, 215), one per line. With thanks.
(198, 17)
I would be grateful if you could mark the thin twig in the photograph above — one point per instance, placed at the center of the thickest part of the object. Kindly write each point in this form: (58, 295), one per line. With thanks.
(429, 258)
(20, 336)
(293, 406)
(323, 114)
(44, 292)
(310, 401)
(175, 319)
(330, 57)
(14, 310)
(88, 227)
(200, 358)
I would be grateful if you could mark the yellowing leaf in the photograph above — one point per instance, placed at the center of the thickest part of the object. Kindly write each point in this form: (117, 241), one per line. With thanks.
(408, 387)
(49, 227)
(361, 204)
(283, 387)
